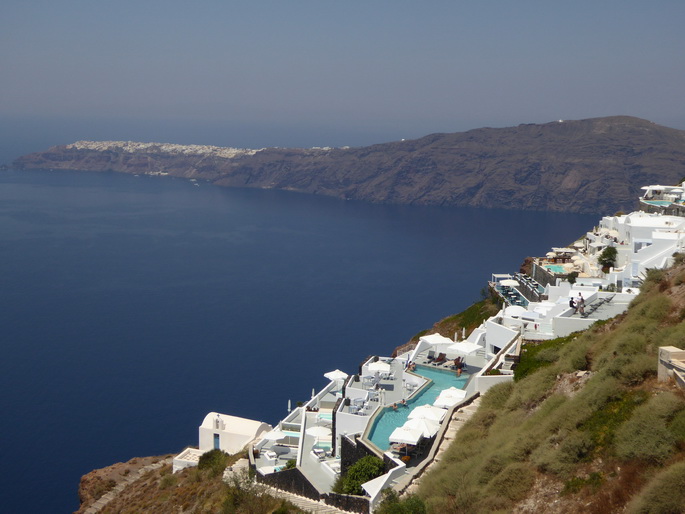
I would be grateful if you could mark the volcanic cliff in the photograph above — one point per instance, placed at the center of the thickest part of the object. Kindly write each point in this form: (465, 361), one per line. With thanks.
(593, 165)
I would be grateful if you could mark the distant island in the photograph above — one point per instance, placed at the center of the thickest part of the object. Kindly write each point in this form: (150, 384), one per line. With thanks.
(595, 165)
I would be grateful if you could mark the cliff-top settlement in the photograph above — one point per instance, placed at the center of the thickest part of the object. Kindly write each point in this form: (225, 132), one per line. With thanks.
(170, 148)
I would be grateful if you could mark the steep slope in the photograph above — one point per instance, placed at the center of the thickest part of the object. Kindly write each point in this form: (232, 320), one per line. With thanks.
(593, 165)
(585, 428)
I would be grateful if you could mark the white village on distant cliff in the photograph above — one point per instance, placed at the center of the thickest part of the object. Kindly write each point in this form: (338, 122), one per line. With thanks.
(406, 409)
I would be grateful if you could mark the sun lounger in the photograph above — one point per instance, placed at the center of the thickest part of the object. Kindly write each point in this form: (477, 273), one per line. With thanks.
(440, 359)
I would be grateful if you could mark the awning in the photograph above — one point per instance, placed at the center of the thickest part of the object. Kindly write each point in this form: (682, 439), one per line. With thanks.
(464, 347)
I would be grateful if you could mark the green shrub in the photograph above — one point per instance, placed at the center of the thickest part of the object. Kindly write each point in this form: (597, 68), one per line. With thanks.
(601, 426)
(630, 343)
(536, 356)
(678, 258)
(215, 461)
(602, 389)
(575, 484)
(168, 481)
(608, 257)
(514, 481)
(392, 504)
(497, 395)
(665, 493)
(645, 435)
(677, 426)
(365, 469)
(639, 368)
(655, 308)
(532, 389)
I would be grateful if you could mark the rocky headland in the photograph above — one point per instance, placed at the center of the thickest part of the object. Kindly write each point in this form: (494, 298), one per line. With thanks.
(595, 165)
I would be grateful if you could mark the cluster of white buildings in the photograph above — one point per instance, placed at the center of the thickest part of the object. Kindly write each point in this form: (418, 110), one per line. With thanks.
(307, 450)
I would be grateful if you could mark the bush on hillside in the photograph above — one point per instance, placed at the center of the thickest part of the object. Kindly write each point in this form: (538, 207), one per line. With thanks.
(497, 395)
(645, 435)
(513, 482)
(215, 461)
(677, 427)
(664, 493)
(392, 504)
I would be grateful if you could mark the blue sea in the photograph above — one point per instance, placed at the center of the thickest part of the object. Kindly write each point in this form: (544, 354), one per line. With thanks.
(132, 306)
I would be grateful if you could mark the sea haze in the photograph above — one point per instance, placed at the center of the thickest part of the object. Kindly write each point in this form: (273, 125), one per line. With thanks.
(132, 306)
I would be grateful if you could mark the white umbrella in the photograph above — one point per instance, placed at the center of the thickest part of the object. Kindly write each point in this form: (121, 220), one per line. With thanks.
(318, 431)
(510, 282)
(289, 406)
(428, 412)
(464, 347)
(381, 366)
(427, 427)
(405, 435)
(335, 375)
(449, 397)
(514, 310)
(275, 435)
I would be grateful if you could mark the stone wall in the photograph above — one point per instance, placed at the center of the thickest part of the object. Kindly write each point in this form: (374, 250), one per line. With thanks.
(347, 502)
(291, 480)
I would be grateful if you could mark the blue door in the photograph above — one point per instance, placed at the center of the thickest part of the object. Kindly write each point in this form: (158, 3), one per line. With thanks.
(216, 442)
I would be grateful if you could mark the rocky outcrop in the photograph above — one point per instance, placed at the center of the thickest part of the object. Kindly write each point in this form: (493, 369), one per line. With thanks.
(594, 165)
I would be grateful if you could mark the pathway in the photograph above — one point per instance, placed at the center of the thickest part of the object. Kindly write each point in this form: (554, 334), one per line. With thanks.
(300, 502)
(109, 496)
(457, 420)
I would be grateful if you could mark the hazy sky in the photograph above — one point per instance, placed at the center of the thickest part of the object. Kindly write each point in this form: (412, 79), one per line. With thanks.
(306, 73)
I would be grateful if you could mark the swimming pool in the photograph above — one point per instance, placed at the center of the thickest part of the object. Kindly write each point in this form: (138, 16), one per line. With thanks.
(389, 419)
(661, 203)
(555, 268)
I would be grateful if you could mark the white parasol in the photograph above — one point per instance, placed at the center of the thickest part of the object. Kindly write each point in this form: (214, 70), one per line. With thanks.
(318, 431)
(449, 397)
(381, 366)
(427, 427)
(335, 375)
(405, 435)
(428, 412)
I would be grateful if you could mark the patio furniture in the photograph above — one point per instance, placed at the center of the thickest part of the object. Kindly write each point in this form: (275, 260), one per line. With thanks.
(440, 359)
(270, 455)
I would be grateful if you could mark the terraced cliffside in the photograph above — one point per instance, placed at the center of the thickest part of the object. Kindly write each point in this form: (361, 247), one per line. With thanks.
(594, 165)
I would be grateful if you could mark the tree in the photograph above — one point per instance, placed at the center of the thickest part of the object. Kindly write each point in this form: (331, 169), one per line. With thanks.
(365, 469)
(607, 258)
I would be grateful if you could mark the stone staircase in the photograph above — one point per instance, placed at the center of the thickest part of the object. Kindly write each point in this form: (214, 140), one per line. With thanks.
(457, 420)
(300, 502)
(109, 496)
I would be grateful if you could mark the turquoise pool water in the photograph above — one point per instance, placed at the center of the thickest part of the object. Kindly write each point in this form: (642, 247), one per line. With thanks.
(388, 420)
(555, 268)
(661, 203)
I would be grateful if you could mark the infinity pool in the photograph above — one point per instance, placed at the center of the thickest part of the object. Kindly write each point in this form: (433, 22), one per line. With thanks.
(555, 268)
(388, 420)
